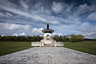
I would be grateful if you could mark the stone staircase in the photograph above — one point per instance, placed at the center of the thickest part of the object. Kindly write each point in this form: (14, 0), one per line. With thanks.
(48, 45)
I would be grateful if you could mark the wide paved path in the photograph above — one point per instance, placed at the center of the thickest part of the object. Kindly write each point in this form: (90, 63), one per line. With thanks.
(48, 55)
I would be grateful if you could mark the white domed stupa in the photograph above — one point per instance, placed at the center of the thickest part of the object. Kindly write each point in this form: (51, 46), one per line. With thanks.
(47, 39)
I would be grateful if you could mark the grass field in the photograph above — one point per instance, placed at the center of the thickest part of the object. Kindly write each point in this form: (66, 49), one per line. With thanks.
(10, 47)
(85, 46)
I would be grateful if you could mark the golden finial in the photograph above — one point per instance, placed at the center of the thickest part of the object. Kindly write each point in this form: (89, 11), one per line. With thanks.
(47, 22)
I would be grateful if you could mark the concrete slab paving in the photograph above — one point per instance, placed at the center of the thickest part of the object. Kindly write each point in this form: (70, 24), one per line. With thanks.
(48, 55)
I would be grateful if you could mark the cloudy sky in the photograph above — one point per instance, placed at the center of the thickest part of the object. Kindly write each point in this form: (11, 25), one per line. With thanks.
(29, 17)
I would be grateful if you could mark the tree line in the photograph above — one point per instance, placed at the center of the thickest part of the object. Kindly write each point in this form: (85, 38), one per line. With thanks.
(72, 38)
(20, 38)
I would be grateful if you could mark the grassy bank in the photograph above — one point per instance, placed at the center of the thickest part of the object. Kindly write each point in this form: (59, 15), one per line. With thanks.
(85, 46)
(10, 47)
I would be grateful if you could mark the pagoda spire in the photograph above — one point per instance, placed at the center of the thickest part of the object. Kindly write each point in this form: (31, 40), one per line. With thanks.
(48, 30)
(47, 25)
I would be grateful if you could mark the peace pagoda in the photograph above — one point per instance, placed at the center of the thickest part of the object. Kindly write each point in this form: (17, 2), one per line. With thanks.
(47, 39)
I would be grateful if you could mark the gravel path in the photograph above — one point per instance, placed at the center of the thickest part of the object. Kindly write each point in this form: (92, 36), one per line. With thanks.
(48, 55)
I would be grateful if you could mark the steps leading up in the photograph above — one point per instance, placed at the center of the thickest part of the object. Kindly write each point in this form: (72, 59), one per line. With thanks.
(48, 45)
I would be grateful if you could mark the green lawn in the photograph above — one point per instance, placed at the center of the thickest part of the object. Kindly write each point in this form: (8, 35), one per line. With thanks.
(10, 47)
(85, 46)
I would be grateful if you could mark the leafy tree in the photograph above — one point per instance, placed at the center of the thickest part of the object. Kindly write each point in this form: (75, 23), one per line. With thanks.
(80, 37)
(56, 37)
(75, 38)
(64, 38)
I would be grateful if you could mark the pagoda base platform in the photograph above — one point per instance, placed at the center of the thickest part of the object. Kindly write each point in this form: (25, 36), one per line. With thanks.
(47, 45)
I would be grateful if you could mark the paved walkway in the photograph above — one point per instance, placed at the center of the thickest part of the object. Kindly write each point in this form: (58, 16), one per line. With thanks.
(48, 55)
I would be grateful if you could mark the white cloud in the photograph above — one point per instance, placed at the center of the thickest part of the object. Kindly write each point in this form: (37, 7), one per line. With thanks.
(2, 14)
(55, 22)
(7, 3)
(14, 26)
(22, 13)
(92, 16)
(5, 14)
(9, 14)
(91, 35)
(22, 34)
(72, 25)
(69, 8)
(24, 4)
(84, 25)
(83, 8)
(15, 34)
(59, 34)
(27, 27)
(57, 7)
(3, 35)
(87, 30)
(37, 30)
(41, 9)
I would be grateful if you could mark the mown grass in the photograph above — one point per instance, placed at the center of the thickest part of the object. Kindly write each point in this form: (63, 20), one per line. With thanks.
(10, 47)
(85, 46)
